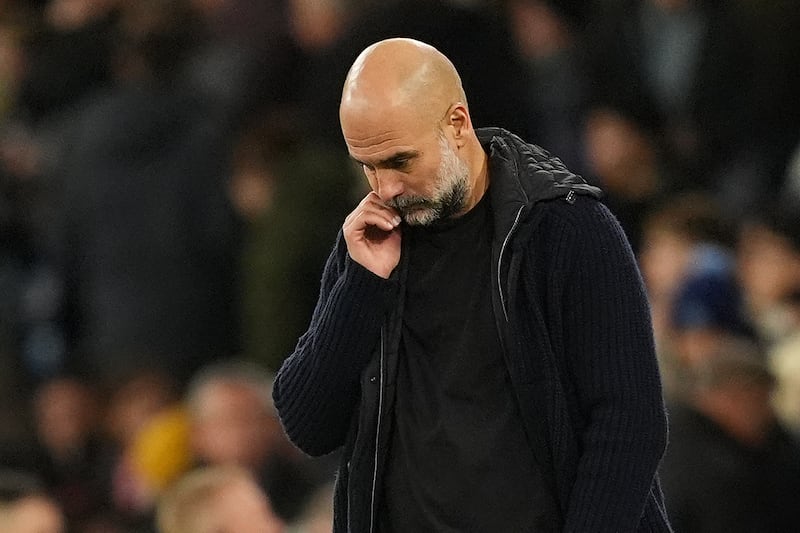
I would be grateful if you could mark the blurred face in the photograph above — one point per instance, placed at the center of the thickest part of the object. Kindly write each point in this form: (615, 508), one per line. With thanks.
(36, 515)
(538, 29)
(70, 14)
(64, 415)
(664, 260)
(617, 151)
(694, 347)
(768, 268)
(410, 164)
(241, 507)
(233, 426)
(135, 403)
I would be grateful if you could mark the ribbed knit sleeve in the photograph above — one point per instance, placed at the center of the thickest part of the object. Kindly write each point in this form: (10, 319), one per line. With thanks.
(317, 388)
(603, 333)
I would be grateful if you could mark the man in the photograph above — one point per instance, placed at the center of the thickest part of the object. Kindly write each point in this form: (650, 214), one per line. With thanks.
(481, 348)
(231, 416)
(731, 466)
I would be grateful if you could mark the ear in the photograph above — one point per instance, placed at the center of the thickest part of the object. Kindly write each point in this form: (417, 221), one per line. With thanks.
(458, 118)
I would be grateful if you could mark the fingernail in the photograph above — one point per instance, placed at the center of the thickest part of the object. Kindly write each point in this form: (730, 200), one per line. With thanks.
(396, 221)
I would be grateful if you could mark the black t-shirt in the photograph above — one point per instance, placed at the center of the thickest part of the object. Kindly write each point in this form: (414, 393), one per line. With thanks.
(459, 459)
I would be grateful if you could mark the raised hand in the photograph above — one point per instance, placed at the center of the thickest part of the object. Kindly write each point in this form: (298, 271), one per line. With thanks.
(372, 233)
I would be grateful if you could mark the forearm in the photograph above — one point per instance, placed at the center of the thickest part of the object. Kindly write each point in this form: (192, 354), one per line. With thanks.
(621, 450)
(317, 387)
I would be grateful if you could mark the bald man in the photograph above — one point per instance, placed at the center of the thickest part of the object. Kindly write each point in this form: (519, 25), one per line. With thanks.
(481, 350)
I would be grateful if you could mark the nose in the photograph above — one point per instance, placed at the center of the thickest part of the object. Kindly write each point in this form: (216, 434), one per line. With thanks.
(388, 184)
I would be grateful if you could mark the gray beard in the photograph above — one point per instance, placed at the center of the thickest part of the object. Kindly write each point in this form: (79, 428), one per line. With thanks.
(449, 196)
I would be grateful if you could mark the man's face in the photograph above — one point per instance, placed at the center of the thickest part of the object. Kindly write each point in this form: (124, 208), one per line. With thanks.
(413, 168)
(448, 195)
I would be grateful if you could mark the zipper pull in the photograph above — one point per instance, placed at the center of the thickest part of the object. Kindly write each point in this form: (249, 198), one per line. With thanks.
(570, 197)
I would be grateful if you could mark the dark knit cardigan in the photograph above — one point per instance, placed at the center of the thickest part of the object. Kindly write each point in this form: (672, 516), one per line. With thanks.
(573, 318)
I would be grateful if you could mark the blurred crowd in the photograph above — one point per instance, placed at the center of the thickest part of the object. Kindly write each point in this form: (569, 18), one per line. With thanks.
(172, 176)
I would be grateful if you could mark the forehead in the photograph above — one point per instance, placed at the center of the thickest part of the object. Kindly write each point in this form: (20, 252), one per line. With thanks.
(379, 134)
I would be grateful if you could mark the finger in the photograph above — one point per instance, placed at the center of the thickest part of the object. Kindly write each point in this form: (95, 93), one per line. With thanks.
(371, 210)
(373, 199)
(371, 215)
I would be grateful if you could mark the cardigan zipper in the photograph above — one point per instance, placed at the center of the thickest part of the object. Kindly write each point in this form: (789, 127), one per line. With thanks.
(500, 262)
(377, 437)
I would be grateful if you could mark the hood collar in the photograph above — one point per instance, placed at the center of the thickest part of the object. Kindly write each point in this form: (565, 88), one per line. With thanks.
(522, 174)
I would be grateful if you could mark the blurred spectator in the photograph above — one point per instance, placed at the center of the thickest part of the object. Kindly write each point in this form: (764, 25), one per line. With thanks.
(784, 359)
(622, 155)
(232, 419)
(17, 198)
(157, 457)
(221, 499)
(70, 57)
(241, 63)
(769, 270)
(66, 417)
(774, 25)
(233, 422)
(729, 465)
(67, 426)
(672, 233)
(15, 29)
(150, 244)
(769, 267)
(298, 87)
(141, 425)
(316, 24)
(688, 61)
(285, 183)
(25, 507)
(288, 190)
(133, 400)
(706, 312)
(548, 36)
(160, 454)
(489, 65)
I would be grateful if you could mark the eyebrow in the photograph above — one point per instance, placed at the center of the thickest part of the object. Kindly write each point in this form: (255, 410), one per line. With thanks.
(392, 161)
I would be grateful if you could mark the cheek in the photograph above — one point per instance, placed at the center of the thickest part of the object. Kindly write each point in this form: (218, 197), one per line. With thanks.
(423, 180)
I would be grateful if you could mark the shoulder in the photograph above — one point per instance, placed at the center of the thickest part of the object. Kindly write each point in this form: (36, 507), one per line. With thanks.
(579, 214)
(579, 236)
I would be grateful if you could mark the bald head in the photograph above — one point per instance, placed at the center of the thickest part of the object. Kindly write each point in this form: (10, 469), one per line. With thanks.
(402, 74)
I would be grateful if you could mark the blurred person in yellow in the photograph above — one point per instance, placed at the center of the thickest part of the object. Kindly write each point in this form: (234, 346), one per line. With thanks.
(218, 499)
(158, 456)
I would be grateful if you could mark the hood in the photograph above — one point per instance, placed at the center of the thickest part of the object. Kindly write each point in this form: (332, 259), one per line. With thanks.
(522, 174)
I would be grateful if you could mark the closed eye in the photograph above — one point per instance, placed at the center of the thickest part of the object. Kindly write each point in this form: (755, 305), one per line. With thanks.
(397, 164)
(401, 161)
